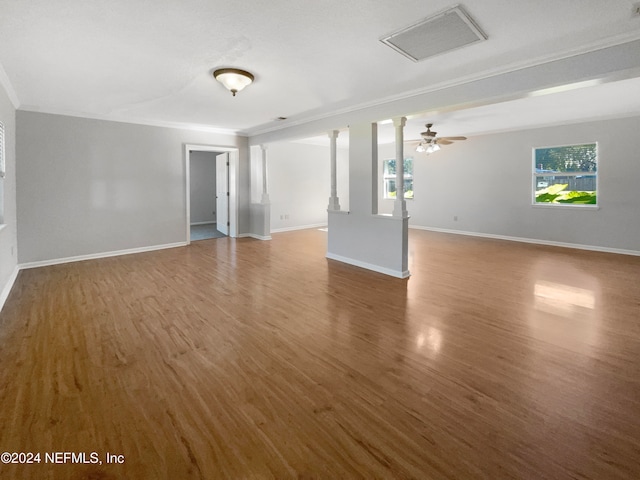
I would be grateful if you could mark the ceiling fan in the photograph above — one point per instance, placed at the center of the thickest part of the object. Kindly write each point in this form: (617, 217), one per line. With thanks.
(431, 142)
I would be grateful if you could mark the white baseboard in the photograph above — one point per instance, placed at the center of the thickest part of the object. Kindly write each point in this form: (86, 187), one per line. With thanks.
(535, 241)
(8, 286)
(253, 235)
(368, 266)
(94, 256)
(202, 223)
(301, 227)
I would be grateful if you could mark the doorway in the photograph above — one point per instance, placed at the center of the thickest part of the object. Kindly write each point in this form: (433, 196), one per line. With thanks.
(211, 192)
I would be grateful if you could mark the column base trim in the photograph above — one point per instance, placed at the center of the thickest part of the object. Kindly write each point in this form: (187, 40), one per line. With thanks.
(369, 266)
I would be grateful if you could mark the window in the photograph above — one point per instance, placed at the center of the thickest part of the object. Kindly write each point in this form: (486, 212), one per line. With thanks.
(565, 175)
(389, 178)
(2, 173)
(2, 165)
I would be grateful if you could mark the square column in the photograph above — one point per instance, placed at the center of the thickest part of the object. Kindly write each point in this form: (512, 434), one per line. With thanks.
(400, 205)
(265, 195)
(334, 201)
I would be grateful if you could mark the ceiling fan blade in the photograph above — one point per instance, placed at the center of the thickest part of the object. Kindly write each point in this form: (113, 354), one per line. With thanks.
(453, 138)
(444, 141)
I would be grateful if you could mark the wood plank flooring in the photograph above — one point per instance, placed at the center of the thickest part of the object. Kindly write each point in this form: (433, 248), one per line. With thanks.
(242, 359)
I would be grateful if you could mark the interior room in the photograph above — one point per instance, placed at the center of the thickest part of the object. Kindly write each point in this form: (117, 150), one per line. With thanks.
(232, 248)
(203, 197)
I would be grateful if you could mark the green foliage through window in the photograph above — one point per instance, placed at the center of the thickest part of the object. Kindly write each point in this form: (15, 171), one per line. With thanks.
(556, 194)
(389, 178)
(572, 158)
(566, 175)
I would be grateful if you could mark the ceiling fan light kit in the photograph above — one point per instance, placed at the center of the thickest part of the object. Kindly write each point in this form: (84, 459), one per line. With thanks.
(430, 141)
(427, 148)
(233, 79)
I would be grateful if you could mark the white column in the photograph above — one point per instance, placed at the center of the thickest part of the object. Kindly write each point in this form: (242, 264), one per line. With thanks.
(334, 201)
(265, 195)
(400, 205)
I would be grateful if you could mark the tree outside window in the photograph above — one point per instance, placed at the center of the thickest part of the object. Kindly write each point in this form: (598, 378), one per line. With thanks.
(389, 178)
(566, 175)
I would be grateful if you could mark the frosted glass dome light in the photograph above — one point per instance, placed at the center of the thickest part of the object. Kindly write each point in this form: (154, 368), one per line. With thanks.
(233, 79)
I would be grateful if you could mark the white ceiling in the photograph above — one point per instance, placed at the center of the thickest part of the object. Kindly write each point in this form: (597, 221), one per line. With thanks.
(151, 61)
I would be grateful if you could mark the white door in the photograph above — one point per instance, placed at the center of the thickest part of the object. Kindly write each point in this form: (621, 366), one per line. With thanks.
(222, 193)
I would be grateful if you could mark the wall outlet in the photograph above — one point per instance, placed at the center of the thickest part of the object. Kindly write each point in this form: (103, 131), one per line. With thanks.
(455, 218)
(286, 217)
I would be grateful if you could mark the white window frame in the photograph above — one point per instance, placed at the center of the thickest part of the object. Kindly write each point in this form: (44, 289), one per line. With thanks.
(2, 174)
(2, 156)
(536, 176)
(386, 177)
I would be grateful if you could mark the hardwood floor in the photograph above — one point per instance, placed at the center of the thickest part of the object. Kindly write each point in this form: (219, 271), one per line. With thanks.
(241, 359)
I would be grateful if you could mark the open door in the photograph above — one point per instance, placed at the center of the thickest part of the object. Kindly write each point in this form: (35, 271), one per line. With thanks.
(222, 193)
(226, 188)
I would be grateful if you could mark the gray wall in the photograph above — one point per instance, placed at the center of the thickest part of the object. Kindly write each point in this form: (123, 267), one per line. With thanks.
(8, 239)
(486, 182)
(91, 186)
(203, 186)
(300, 183)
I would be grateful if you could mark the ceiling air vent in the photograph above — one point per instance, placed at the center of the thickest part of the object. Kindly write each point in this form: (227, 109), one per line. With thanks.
(446, 31)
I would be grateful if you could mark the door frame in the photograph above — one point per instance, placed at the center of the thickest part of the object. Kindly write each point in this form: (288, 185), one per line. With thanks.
(234, 155)
(222, 192)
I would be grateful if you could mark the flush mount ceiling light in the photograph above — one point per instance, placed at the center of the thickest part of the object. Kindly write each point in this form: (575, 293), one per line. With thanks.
(233, 79)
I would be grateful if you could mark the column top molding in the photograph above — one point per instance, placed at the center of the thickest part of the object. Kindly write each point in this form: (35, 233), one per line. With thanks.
(399, 121)
(334, 133)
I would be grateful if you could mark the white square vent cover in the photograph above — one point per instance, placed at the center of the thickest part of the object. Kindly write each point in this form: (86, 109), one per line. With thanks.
(446, 31)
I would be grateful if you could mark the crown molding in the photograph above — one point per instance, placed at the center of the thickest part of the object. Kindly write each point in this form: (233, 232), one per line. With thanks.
(151, 123)
(559, 123)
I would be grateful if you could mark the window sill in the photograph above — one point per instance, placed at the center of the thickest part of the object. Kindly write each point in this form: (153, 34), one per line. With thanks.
(559, 206)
